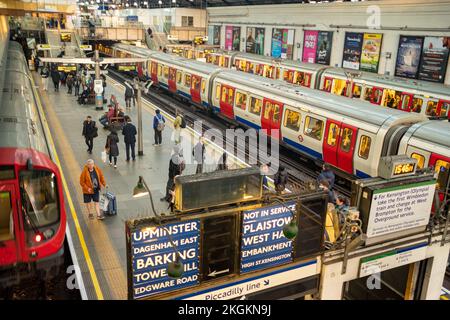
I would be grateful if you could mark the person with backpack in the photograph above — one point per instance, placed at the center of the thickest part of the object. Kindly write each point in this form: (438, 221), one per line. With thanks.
(158, 126)
(90, 131)
(280, 179)
(199, 154)
(45, 74)
(178, 124)
(177, 165)
(129, 131)
(112, 147)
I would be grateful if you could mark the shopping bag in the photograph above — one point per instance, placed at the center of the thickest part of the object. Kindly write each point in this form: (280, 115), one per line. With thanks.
(104, 156)
(104, 202)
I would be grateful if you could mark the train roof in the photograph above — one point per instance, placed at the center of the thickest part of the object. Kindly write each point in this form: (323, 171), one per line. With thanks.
(434, 131)
(141, 51)
(408, 84)
(355, 109)
(285, 63)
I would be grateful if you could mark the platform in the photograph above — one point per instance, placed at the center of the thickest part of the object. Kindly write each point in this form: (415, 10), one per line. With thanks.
(100, 245)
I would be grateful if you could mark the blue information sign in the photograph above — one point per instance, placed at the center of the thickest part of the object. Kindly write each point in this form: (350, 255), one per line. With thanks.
(152, 251)
(263, 244)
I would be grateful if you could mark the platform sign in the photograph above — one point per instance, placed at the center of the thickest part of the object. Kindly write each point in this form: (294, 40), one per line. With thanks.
(126, 67)
(67, 67)
(86, 47)
(152, 251)
(65, 37)
(399, 208)
(263, 244)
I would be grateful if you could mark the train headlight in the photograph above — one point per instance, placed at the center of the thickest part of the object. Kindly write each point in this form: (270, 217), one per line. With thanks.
(48, 233)
(38, 238)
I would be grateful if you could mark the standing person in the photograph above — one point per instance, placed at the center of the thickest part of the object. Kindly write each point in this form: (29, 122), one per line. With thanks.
(76, 84)
(324, 185)
(176, 167)
(281, 179)
(222, 164)
(62, 77)
(103, 77)
(129, 94)
(89, 133)
(327, 174)
(199, 154)
(129, 131)
(92, 181)
(158, 127)
(45, 74)
(112, 147)
(178, 124)
(55, 78)
(69, 82)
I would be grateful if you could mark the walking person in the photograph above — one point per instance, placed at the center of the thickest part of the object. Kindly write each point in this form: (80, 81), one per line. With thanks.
(199, 154)
(129, 131)
(55, 78)
(90, 131)
(77, 84)
(178, 124)
(69, 82)
(280, 179)
(129, 94)
(158, 127)
(45, 74)
(92, 181)
(112, 147)
(176, 167)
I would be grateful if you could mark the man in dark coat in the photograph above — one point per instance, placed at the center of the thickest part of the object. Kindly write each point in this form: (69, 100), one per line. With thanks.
(280, 179)
(89, 133)
(129, 94)
(129, 131)
(327, 174)
(55, 78)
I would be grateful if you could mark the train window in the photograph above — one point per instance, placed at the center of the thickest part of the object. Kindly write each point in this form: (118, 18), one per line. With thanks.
(406, 100)
(203, 85)
(7, 173)
(267, 109)
(159, 70)
(166, 72)
(195, 84)
(420, 160)
(417, 105)
(276, 113)
(392, 98)
(172, 74)
(230, 96)
(356, 91)
(364, 147)
(299, 78)
(218, 91)
(286, 75)
(368, 93)
(241, 100)
(327, 84)
(292, 119)
(444, 108)
(333, 132)
(313, 128)
(441, 165)
(6, 217)
(431, 108)
(346, 139)
(307, 81)
(250, 67)
(38, 191)
(179, 76)
(154, 68)
(255, 105)
(339, 87)
(187, 80)
(224, 95)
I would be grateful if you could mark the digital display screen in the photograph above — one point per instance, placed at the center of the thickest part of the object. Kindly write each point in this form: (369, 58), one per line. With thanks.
(127, 68)
(67, 68)
(404, 168)
(66, 37)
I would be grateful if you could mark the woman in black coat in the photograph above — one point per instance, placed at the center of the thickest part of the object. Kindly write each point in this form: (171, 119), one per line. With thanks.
(112, 147)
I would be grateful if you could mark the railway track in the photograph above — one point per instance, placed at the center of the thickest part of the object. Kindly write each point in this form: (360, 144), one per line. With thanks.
(303, 172)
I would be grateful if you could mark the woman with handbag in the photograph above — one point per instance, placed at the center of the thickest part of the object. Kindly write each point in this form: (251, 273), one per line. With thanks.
(112, 147)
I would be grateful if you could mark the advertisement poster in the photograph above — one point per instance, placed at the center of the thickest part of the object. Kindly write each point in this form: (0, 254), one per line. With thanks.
(434, 59)
(254, 40)
(229, 38)
(370, 53)
(352, 50)
(324, 43)
(310, 46)
(214, 35)
(236, 44)
(282, 43)
(408, 56)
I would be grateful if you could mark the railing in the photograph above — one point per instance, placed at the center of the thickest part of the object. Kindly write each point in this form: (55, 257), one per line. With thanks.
(102, 33)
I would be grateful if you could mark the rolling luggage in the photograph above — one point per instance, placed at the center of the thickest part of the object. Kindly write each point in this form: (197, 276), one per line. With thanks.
(111, 209)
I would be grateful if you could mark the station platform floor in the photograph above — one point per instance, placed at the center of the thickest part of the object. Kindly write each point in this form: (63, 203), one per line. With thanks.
(100, 246)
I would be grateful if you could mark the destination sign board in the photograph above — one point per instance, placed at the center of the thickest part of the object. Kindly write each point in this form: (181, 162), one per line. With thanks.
(67, 67)
(152, 251)
(263, 244)
(126, 67)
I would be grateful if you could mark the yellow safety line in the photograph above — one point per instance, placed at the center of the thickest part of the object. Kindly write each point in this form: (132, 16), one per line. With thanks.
(444, 298)
(97, 288)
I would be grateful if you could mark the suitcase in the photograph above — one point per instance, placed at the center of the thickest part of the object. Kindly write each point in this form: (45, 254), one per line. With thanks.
(112, 204)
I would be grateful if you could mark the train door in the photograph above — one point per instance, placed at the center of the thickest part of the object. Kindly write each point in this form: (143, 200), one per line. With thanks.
(407, 100)
(377, 95)
(227, 101)
(172, 80)
(327, 83)
(9, 250)
(331, 141)
(195, 88)
(443, 108)
(271, 117)
(154, 72)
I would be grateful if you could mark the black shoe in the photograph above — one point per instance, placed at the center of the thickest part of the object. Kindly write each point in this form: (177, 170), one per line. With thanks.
(134, 159)
(128, 160)
(163, 199)
(90, 151)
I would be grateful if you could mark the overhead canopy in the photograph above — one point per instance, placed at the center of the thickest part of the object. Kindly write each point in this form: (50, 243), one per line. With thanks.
(91, 61)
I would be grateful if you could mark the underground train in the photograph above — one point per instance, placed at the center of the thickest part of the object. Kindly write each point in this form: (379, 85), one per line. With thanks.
(352, 136)
(423, 97)
(32, 211)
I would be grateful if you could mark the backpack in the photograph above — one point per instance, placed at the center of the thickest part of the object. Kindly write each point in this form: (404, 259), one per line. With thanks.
(161, 124)
(183, 122)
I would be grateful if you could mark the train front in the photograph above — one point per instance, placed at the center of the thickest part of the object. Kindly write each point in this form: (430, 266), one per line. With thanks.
(32, 212)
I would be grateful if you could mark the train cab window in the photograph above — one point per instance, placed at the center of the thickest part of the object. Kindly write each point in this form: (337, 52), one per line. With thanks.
(292, 119)
(307, 80)
(420, 160)
(368, 93)
(218, 91)
(6, 217)
(187, 80)
(364, 147)
(313, 128)
(346, 139)
(166, 72)
(241, 100)
(357, 91)
(179, 76)
(431, 108)
(267, 109)
(417, 105)
(39, 195)
(444, 108)
(333, 133)
(255, 106)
